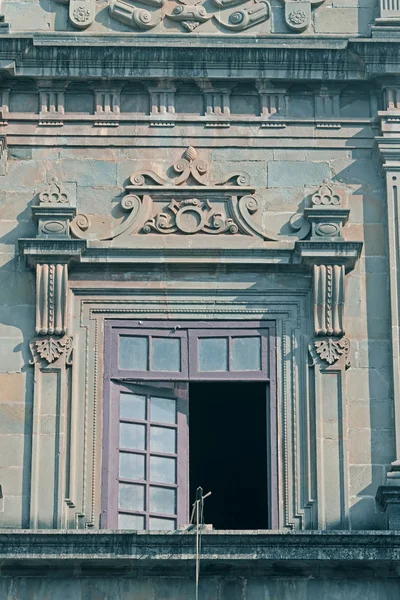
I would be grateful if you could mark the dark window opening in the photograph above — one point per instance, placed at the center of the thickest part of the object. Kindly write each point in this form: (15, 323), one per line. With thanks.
(228, 452)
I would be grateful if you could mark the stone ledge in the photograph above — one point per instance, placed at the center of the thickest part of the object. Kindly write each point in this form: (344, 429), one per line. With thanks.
(134, 553)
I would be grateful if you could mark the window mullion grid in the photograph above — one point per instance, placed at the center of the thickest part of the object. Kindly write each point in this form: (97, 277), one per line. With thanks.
(229, 353)
(150, 360)
(147, 474)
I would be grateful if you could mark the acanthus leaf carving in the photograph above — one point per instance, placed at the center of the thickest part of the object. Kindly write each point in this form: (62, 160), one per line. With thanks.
(330, 350)
(50, 349)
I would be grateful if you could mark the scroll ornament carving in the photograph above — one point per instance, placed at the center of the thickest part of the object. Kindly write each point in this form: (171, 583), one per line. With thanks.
(190, 216)
(189, 14)
(195, 204)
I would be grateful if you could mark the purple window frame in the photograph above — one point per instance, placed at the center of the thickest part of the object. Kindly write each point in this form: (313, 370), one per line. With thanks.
(112, 449)
(148, 374)
(187, 330)
(253, 375)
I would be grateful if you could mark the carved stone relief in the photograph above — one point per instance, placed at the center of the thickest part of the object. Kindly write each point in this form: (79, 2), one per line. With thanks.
(298, 13)
(331, 350)
(51, 349)
(328, 299)
(54, 213)
(81, 12)
(325, 219)
(189, 15)
(191, 203)
(51, 299)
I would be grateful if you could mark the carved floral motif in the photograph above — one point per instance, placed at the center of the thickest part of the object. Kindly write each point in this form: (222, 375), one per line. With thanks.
(297, 17)
(330, 350)
(50, 349)
(81, 14)
(298, 13)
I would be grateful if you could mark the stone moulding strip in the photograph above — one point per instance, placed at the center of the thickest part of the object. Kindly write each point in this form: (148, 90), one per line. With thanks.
(287, 254)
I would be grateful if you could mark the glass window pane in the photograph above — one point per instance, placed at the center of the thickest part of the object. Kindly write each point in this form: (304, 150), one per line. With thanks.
(213, 354)
(162, 469)
(162, 410)
(132, 406)
(163, 439)
(131, 496)
(246, 354)
(130, 522)
(132, 436)
(158, 524)
(133, 353)
(131, 466)
(162, 500)
(166, 354)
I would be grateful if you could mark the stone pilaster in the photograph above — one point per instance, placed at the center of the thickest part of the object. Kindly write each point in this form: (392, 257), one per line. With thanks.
(50, 254)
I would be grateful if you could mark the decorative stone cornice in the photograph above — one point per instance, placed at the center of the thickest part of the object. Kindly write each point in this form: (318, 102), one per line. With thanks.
(44, 56)
(39, 251)
(329, 252)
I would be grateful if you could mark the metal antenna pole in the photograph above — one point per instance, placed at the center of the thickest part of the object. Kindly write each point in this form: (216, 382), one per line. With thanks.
(198, 510)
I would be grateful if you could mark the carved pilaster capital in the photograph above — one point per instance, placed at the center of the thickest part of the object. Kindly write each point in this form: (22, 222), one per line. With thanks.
(49, 350)
(331, 352)
(387, 149)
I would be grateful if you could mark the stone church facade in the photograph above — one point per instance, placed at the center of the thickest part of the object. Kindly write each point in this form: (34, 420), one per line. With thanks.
(199, 252)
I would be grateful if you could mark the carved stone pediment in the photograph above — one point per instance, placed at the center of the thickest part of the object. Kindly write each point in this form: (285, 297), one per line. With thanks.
(189, 203)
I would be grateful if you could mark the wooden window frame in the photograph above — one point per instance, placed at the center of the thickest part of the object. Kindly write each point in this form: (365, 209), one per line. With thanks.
(112, 449)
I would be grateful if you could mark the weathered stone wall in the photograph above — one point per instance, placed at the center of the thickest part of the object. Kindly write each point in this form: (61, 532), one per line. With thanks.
(215, 588)
(284, 177)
